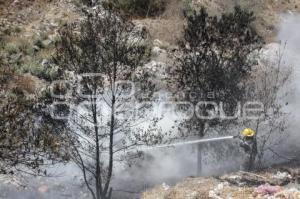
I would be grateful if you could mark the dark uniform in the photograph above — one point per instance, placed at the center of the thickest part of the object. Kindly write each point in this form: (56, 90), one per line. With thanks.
(248, 143)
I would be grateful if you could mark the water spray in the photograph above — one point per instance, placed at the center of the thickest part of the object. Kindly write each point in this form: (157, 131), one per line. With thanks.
(246, 135)
(190, 142)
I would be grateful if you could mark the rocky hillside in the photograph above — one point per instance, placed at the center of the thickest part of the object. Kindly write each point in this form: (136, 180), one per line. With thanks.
(29, 28)
(168, 26)
(42, 17)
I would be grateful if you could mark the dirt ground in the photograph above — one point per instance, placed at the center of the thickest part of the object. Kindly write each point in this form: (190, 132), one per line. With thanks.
(283, 183)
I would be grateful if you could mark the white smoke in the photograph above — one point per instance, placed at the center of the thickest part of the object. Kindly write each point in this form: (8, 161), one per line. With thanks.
(289, 33)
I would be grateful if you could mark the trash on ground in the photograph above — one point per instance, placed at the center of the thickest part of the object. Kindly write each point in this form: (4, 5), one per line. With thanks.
(267, 189)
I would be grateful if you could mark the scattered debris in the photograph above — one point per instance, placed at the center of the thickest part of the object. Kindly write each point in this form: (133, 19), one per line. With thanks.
(282, 178)
(165, 186)
(282, 175)
(245, 178)
(215, 194)
(269, 184)
(266, 189)
(253, 179)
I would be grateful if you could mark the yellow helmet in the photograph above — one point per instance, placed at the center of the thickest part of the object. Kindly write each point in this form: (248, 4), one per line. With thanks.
(248, 132)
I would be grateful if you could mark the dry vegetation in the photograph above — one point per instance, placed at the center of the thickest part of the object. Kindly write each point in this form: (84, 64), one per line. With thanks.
(267, 11)
(44, 16)
(29, 31)
(196, 188)
(230, 186)
(169, 26)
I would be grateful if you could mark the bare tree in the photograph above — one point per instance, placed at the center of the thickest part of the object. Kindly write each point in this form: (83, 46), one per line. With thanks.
(106, 52)
(213, 64)
(268, 84)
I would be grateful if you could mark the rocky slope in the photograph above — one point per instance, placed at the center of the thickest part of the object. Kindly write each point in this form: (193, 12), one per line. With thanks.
(273, 183)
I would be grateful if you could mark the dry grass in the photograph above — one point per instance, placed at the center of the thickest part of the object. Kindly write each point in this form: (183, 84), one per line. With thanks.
(191, 188)
(168, 27)
(35, 16)
(166, 30)
(205, 188)
(198, 188)
(237, 192)
(10, 79)
(27, 83)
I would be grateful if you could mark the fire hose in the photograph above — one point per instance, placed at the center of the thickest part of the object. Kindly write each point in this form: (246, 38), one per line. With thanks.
(246, 136)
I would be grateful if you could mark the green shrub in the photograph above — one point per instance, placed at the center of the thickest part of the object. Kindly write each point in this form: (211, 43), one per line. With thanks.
(2, 43)
(34, 68)
(17, 29)
(7, 31)
(10, 30)
(188, 7)
(138, 8)
(37, 69)
(77, 3)
(24, 46)
(38, 39)
(11, 48)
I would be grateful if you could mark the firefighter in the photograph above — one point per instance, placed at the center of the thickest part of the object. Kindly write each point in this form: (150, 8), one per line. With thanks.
(248, 143)
(247, 139)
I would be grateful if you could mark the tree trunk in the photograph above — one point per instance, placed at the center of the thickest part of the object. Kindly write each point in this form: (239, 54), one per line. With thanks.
(199, 159)
(199, 151)
(107, 190)
(98, 172)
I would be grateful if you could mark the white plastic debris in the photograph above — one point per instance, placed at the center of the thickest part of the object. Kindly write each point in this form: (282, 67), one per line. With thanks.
(165, 186)
(214, 194)
(282, 175)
